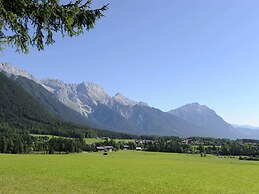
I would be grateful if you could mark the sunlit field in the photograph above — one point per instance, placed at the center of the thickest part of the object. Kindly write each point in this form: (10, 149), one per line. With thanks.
(126, 172)
(87, 140)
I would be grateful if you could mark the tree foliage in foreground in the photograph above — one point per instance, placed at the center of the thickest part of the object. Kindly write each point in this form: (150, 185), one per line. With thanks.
(33, 22)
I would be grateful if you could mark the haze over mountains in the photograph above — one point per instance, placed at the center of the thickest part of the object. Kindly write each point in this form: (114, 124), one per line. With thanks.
(89, 104)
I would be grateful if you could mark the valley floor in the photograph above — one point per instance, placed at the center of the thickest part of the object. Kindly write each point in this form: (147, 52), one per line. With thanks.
(126, 172)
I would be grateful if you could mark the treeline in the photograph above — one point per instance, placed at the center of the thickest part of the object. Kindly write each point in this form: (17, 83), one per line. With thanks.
(240, 148)
(16, 141)
(203, 146)
(165, 144)
(251, 158)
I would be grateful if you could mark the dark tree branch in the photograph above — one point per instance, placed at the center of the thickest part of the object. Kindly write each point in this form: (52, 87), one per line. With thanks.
(44, 17)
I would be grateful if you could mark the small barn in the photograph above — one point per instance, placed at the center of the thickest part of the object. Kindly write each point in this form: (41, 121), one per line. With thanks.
(100, 149)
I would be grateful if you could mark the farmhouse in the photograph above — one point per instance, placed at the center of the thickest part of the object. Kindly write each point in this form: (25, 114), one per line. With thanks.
(108, 148)
(185, 141)
(104, 148)
(100, 149)
(138, 148)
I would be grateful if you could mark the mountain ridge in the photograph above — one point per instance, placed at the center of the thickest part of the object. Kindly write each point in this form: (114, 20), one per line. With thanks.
(120, 113)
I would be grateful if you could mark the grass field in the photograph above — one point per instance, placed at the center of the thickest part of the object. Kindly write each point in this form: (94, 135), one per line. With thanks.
(126, 172)
(95, 140)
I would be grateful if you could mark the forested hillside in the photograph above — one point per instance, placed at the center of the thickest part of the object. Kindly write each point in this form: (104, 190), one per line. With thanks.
(50, 103)
(20, 110)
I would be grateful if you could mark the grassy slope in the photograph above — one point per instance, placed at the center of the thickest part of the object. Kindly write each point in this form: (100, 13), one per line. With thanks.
(87, 140)
(126, 172)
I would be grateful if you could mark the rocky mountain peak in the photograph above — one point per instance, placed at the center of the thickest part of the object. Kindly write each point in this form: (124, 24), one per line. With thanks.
(141, 103)
(119, 98)
(205, 117)
(195, 111)
(52, 85)
(195, 107)
(11, 70)
(92, 87)
(53, 82)
(93, 91)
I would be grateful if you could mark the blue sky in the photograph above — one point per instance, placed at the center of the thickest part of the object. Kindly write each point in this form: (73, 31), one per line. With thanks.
(166, 53)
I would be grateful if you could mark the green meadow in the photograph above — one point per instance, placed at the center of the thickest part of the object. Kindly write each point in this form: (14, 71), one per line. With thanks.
(87, 140)
(126, 172)
(96, 140)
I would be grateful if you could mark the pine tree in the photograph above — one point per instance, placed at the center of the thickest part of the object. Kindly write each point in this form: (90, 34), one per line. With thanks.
(45, 17)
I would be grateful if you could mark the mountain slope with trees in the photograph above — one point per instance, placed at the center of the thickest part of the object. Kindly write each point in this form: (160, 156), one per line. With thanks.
(50, 103)
(20, 111)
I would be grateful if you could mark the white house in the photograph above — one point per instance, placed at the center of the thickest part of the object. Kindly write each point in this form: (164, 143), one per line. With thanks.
(138, 148)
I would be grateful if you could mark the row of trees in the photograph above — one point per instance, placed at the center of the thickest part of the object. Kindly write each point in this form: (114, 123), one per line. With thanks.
(237, 148)
(226, 147)
(16, 141)
(66, 145)
(204, 146)
(163, 145)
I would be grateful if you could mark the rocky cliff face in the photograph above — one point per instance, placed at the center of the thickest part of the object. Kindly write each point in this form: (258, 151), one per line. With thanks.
(11, 70)
(85, 97)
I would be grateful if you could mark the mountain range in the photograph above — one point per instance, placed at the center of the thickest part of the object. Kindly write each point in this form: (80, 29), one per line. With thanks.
(90, 105)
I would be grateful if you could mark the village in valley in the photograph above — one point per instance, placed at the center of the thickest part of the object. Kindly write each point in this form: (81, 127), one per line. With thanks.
(245, 149)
